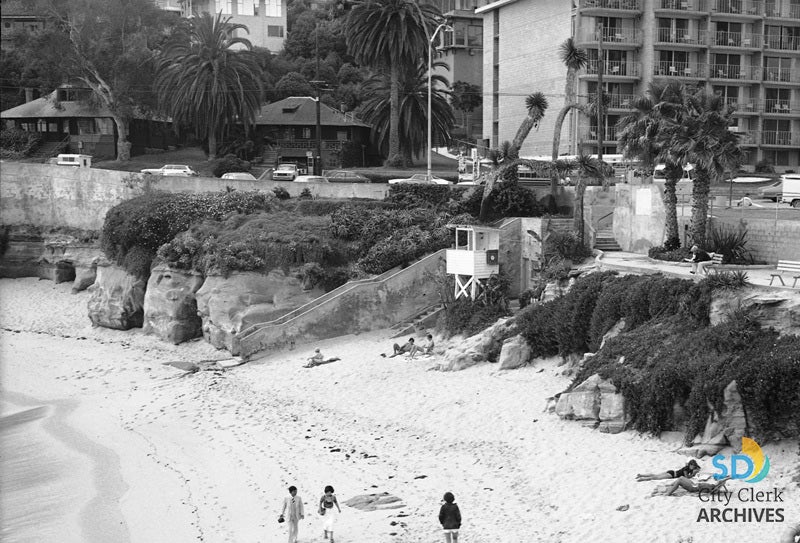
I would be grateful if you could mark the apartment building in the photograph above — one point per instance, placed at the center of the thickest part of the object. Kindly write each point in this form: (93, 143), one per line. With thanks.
(748, 51)
(265, 19)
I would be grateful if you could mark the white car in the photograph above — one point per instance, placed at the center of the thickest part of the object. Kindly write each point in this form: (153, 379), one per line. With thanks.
(241, 176)
(421, 179)
(285, 172)
(309, 179)
(171, 169)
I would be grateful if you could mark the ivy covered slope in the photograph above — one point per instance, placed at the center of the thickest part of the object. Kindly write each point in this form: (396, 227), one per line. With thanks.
(668, 352)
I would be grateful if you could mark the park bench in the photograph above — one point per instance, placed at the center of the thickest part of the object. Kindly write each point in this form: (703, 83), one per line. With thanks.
(788, 266)
(711, 265)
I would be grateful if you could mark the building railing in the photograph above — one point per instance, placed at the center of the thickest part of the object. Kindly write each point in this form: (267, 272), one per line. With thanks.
(775, 10)
(748, 137)
(736, 7)
(614, 67)
(733, 71)
(334, 145)
(609, 134)
(612, 35)
(626, 5)
(783, 43)
(780, 137)
(681, 36)
(735, 39)
(742, 105)
(776, 105)
(620, 101)
(784, 75)
(679, 69)
(684, 5)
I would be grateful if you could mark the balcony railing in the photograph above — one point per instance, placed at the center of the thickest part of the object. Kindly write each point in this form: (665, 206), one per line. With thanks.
(620, 101)
(782, 12)
(776, 105)
(783, 43)
(626, 5)
(614, 67)
(609, 134)
(736, 39)
(747, 137)
(679, 69)
(783, 75)
(612, 35)
(667, 35)
(684, 5)
(736, 7)
(733, 71)
(742, 105)
(779, 137)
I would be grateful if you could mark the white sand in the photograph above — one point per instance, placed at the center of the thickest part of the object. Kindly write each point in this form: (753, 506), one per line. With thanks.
(130, 450)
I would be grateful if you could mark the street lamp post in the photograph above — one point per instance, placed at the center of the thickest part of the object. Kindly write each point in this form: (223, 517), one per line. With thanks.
(430, 90)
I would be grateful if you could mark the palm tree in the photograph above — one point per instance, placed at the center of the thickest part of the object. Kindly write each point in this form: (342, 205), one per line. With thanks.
(413, 109)
(206, 81)
(390, 33)
(587, 168)
(575, 59)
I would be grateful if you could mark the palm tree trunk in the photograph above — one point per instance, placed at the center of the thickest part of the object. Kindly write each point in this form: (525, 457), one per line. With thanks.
(394, 159)
(700, 190)
(522, 133)
(486, 201)
(577, 224)
(557, 143)
(673, 240)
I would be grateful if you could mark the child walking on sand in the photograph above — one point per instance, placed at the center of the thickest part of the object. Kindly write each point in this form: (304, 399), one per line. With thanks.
(326, 504)
(450, 518)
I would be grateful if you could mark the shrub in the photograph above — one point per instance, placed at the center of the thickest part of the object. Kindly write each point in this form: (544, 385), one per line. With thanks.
(412, 196)
(403, 246)
(229, 163)
(468, 317)
(566, 246)
(16, 143)
(670, 255)
(327, 206)
(730, 243)
(510, 199)
(305, 194)
(764, 166)
(281, 193)
(727, 280)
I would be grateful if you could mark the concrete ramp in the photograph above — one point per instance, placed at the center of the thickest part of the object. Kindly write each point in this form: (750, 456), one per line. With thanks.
(396, 296)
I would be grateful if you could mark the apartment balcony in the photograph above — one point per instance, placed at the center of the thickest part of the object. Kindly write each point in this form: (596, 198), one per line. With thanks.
(776, 11)
(782, 43)
(781, 75)
(745, 9)
(748, 138)
(679, 69)
(620, 101)
(615, 68)
(739, 40)
(682, 39)
(742, 106)
(609, 135)
(610, 7)
(733, 71)
(777, 106)
(780, 138)
(613, 37)
(682, 7)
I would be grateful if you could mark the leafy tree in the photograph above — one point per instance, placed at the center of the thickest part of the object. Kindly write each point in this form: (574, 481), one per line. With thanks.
(293, 84)
(466, 97)
(110, 46)
(205, 81)
(391, 33)
(413, 109)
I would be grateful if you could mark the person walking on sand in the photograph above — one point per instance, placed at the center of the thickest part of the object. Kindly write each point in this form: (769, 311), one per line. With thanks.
(326, 504)
(292, 512)
(689, 470)
(450, 518)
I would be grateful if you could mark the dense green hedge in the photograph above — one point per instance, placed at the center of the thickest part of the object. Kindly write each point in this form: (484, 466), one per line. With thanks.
(16, 143)
(411, 196)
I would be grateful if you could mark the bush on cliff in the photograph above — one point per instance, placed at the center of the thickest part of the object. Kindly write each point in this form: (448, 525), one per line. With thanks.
(16, 143)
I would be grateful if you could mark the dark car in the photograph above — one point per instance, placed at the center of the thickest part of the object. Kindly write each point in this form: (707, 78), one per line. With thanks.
(344, 176)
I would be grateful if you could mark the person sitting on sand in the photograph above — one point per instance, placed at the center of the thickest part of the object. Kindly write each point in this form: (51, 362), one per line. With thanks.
(689, 470)
(425, 349)
(691, 486)
(318, 359)
(408, 347)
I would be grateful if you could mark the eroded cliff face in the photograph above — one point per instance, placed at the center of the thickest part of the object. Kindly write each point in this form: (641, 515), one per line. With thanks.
(117, 298)
(775, 308)
(170, 307)
(229, 305)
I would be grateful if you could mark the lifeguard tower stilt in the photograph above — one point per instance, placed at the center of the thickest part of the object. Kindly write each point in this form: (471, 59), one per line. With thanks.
(474, 259)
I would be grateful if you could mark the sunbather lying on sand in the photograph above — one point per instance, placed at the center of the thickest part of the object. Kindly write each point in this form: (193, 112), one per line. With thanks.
(318, 359)
(691, 486)
(689, 470)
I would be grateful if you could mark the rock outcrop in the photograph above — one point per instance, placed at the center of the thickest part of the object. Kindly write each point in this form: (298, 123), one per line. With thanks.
(478, 348)
(594, 403)
(514, 354)
(170, 307)
(68, 260)
(117, 298)
(229, 305)
(722, 429)
(779, 309)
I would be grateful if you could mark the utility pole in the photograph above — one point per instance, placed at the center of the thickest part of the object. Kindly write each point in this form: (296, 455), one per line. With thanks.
(317, 83)
(600, 68)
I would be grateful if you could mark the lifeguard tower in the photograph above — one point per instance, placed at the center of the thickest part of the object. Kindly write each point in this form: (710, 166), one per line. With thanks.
(474, 259)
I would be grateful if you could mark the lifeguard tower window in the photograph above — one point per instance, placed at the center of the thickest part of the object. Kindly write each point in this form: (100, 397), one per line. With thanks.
(462, 239)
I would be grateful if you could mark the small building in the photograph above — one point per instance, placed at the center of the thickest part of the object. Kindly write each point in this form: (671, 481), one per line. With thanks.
(474, 259)
(21, 17)
(70, 123)
(289, 129)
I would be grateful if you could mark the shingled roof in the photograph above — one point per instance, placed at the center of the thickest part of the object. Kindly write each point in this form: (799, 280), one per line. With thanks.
(302, 110)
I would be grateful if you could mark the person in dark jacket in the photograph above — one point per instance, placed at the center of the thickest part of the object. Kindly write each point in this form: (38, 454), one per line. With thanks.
(450, 518)
(698, 257)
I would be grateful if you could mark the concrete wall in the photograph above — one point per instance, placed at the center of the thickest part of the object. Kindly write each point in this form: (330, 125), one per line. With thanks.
(49, 195)
(768, 240)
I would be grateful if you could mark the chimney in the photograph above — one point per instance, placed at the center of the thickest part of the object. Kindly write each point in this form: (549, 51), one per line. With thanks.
(28, 94)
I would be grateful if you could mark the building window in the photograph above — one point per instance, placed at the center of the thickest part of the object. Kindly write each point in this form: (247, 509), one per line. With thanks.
(7, 25)
(274, 31)
(272, 8)
(248, 7)
(475, 36)
(86, 126)
(341, 135)
(777, 158)
(306, 134)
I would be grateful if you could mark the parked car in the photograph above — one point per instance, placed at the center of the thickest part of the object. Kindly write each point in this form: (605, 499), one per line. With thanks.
(772, 192)
(285, 172)
(344, 176)
(791, 189)
(310, 179)
(171, 169)
(420, 178)
(242, 176)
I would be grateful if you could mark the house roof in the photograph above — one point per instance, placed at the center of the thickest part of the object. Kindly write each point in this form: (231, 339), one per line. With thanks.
(302, 110)
(493, 6)
(48, 107)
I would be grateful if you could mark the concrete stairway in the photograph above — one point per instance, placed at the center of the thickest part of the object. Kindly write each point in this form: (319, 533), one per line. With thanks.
(426, 318)
(605, 241)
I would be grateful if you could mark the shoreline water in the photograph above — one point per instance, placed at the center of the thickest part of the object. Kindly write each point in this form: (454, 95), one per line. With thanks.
(210, 454)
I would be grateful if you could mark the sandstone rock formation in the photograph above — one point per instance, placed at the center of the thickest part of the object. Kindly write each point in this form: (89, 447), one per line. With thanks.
(117, 298)
(229, 305)
(779, 309)
(722, 429)
(477, 348)
(515, 353)
(595, 403)
(170, 308)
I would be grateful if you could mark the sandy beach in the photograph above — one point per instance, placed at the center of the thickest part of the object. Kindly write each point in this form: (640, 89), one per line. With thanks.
(103, 442)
